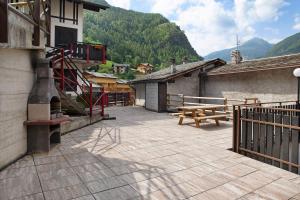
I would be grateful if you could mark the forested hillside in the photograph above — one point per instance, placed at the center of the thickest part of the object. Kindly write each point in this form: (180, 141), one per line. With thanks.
(287, 46)
(134, 37)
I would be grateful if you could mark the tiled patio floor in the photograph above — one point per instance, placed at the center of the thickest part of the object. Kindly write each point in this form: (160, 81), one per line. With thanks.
(145, 155)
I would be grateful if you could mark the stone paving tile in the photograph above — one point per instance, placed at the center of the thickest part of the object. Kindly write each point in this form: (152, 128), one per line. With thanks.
(146, 156)
(26, 161)
(48, 160)
(66, 193)
(88, 197)
(121, 193)
(19, 186)
(15, 172)
(279, 189)
(38, 196)
(105, 184)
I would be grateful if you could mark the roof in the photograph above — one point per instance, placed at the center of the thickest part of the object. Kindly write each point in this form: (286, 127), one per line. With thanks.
(145, 64)
(165, 74)
(121, 65)
(122, 81)
(280, 62)
(95, 5)
(101, 75)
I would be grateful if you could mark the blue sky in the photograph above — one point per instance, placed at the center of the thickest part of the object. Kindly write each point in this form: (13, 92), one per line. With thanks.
(212, 25)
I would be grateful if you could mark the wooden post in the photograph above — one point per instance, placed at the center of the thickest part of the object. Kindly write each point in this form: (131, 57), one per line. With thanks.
(182, 100)
(4, 21)
(36, 18)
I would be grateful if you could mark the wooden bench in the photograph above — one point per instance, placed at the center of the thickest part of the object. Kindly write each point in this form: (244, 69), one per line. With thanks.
(215, 117)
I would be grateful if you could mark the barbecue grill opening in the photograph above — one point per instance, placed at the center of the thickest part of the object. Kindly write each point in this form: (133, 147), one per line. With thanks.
(55, 105)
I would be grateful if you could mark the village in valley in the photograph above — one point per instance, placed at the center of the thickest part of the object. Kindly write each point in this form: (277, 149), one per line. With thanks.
(101, 102)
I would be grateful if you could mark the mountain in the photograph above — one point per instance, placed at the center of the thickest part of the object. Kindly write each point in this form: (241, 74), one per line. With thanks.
(135, 37)
(254, 48)
(289, 45)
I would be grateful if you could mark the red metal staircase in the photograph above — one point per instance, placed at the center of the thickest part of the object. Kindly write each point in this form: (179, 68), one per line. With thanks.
(78, 95)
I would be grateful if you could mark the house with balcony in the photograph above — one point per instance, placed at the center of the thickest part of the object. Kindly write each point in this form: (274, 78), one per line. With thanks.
(42, 55)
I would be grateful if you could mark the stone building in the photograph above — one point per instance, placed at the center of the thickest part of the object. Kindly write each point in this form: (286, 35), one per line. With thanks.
(268, 79)
(151, 90)
(120, 68)
(144, 68)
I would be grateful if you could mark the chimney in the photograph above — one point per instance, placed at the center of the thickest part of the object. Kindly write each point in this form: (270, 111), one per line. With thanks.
(173, 66)
(185, 60)
(236, 57)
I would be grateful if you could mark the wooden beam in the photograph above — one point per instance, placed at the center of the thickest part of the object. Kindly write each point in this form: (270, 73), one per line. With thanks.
(36, 17)
(3, 21)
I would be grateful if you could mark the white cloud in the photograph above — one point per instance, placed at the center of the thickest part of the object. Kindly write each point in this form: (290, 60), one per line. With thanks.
(297, 23)
(210, 26)
(120, 3)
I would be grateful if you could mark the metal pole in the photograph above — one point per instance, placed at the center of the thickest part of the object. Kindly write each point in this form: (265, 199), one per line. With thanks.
(91, 99)
(62, 71)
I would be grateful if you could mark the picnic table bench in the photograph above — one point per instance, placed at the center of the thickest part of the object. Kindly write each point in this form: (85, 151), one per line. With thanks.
(199, 113)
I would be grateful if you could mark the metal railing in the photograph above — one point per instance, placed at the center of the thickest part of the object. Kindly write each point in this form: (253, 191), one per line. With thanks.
(75, 82)
(268, 132)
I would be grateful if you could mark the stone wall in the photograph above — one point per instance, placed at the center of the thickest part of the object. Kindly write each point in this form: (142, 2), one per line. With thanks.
(16, 80)
(268, 86)
(185, 85)
(152, 96)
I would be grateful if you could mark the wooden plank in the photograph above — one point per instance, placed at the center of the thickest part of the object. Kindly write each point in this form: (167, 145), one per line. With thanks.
(3, 21)
(277, 140)
(256, 133)
(262, 136)
(295, 144)
(36, 29)
(285, 141)
(270, 136)
(244, 130)
(249, 132)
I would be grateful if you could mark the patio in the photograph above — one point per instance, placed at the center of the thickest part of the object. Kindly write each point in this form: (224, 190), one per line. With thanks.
(146, 155)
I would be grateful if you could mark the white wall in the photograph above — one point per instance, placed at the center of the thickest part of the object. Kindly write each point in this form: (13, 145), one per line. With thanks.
(67, 23)
(140, 94)
(16, 81)
(152, 96)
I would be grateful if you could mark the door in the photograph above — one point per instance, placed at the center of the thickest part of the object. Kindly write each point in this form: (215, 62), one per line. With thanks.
(65, 36)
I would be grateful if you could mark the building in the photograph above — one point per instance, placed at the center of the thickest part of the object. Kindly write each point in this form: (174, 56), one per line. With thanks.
(28, 30)
(144, 68)
(120, 68)
(268, 79)
(151, 90)
(109, 82)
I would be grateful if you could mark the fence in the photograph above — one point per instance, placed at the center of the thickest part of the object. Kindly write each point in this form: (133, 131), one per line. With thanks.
(269, 133)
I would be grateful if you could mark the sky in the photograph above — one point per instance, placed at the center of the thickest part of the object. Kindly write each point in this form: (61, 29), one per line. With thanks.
(212, 25)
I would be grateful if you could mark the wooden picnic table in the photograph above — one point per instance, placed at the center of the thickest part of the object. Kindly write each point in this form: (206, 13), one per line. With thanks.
(199, 113)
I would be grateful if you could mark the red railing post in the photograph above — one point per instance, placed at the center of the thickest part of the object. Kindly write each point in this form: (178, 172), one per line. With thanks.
(62, 71)
(102, 101)
(88, 53)
(91, 99)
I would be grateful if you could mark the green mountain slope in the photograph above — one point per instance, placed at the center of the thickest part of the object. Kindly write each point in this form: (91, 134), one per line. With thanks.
(289, 45)
(134, 37)
(254, 48)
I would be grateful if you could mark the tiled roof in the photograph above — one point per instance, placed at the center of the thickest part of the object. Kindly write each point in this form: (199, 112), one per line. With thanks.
(287, 61)
(98, 3)
(101, 75)
(166, 74)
